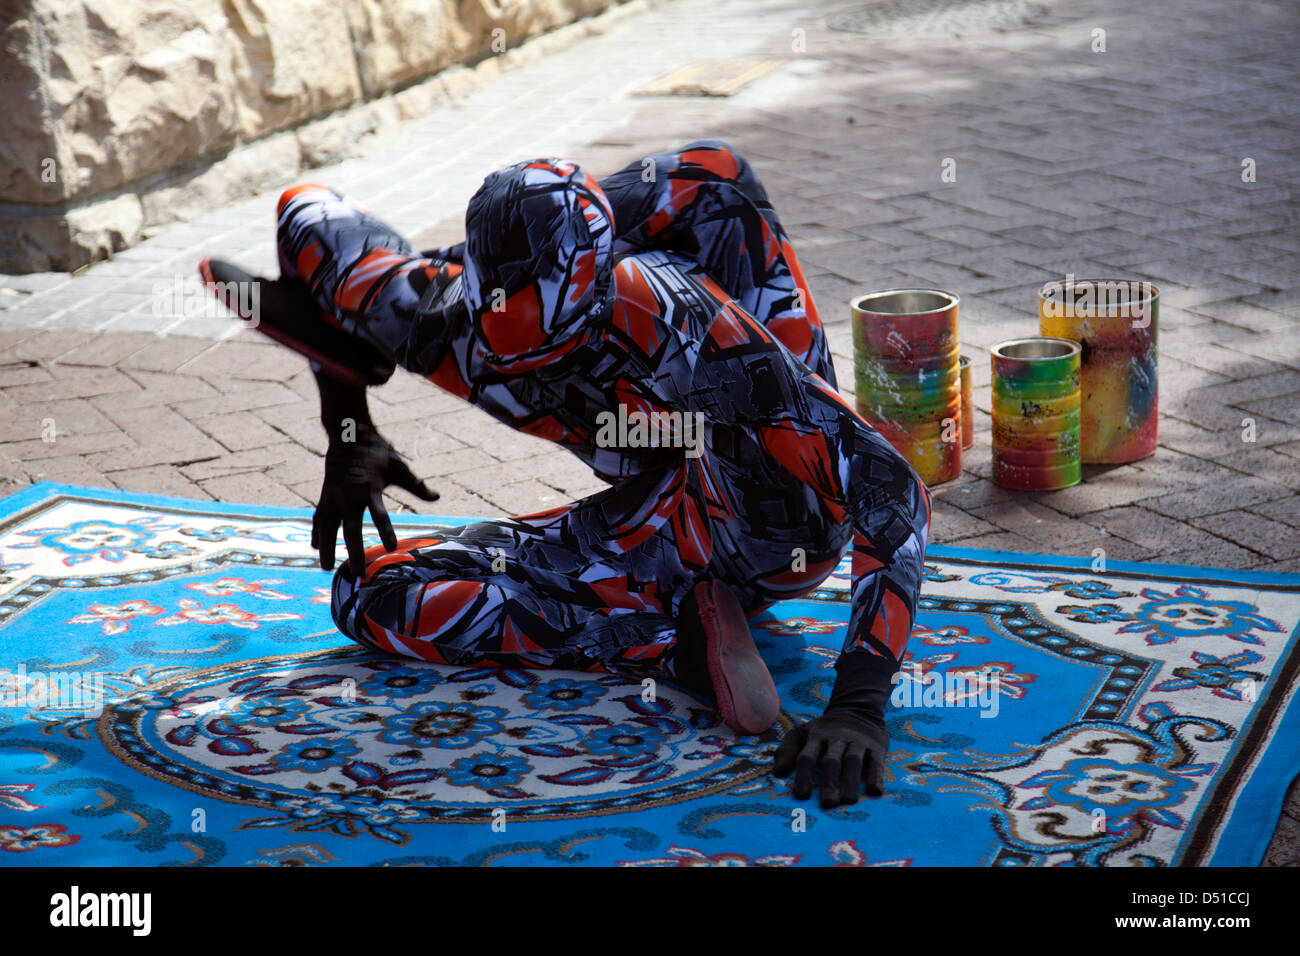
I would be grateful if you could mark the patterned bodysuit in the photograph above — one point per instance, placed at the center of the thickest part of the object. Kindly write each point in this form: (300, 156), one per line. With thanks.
(657, 325)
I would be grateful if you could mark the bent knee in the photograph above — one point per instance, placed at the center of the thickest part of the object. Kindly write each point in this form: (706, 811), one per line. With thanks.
(719, 157)
(301, 192)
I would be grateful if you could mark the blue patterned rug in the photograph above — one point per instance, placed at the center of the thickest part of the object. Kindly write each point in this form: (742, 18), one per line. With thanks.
(173, 692)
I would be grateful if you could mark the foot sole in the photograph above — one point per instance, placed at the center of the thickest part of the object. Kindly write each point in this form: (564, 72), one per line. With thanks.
(746, 696)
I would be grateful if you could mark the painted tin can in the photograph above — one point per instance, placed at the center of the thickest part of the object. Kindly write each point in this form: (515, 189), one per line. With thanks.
(967, 405)
(1036, 414)
(1116, 321)
(908, 377)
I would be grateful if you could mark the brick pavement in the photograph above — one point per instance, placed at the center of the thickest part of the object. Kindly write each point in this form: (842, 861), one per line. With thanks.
(1123, 163)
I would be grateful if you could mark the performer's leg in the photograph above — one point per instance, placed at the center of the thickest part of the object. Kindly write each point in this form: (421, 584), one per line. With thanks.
(592, 585)
(706, 201)
(363, 275)
(535, 268)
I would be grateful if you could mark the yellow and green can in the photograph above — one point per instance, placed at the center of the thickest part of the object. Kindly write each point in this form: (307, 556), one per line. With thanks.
(908, 376)
(967, 405)
(1116, 322)
(1036, 414)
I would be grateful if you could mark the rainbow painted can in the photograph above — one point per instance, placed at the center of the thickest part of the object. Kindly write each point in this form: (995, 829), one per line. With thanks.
(908, 375)
(967, 405)
(1116, 322)
(1036, 414)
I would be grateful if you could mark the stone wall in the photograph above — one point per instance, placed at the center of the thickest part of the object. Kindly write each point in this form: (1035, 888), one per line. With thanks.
(123, 114)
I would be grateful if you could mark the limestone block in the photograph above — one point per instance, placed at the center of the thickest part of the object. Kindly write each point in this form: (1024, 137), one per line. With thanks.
(400, 41)
(112, 91)
(292, 61)
(99, 229)
(335, 138)
(28, 166)
(265, 164)
(519, 19)
(66, 239)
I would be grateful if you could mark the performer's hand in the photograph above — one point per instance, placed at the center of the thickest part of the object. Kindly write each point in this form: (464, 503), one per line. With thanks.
(359, 465)
(356, 474)
(843, 747)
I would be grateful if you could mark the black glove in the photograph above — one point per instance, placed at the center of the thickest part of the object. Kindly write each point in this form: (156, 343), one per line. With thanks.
(359, 465)
(848, 739)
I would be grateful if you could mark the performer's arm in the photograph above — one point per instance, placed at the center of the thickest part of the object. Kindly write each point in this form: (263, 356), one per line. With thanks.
(890, 511)
(743, 376)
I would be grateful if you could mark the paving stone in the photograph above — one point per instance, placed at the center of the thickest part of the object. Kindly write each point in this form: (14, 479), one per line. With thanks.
(1102, 490)
(1286, 301)
(67, 469)
(104, 351)
(164, 388)
(454, 499)
(154, 423)
(1280, 408)
(85, 443)
(248, 395)
(69, 416)
(25, 429)
(22, 373)
(224, 463)
(1284, 848)
(159, 479)
(1265, 536)
(45, 346)
(431, 403)
(1282, 348)
(522, 497)
(239, 431)
(1265, 463)
(1222, 360)
(1212, 554)
(464, 463)
(1174, 434)
(73, 382)
(1241, 493)
(1289, 566)
(303, 431)
(971, 491)
(1286, 510)
(175, 450)
(254, 488)
(1137, 524)
(162, 354)
(1245, 315)
(238, 360)
(999, 541)
(292, 464)
(949, 523)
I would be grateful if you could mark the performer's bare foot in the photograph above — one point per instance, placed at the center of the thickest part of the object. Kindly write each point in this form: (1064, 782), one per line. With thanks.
(718, 642)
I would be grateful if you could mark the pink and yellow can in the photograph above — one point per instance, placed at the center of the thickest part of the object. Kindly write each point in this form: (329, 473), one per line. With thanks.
(1116, 323)
(908, 377)
(1036, 414)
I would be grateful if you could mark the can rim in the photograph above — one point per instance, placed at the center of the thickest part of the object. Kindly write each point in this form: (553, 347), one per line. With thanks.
(1072, 348)
(1150, 290)
(953, 301)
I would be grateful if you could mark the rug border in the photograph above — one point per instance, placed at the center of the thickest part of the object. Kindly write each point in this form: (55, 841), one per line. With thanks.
(1027, 560)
